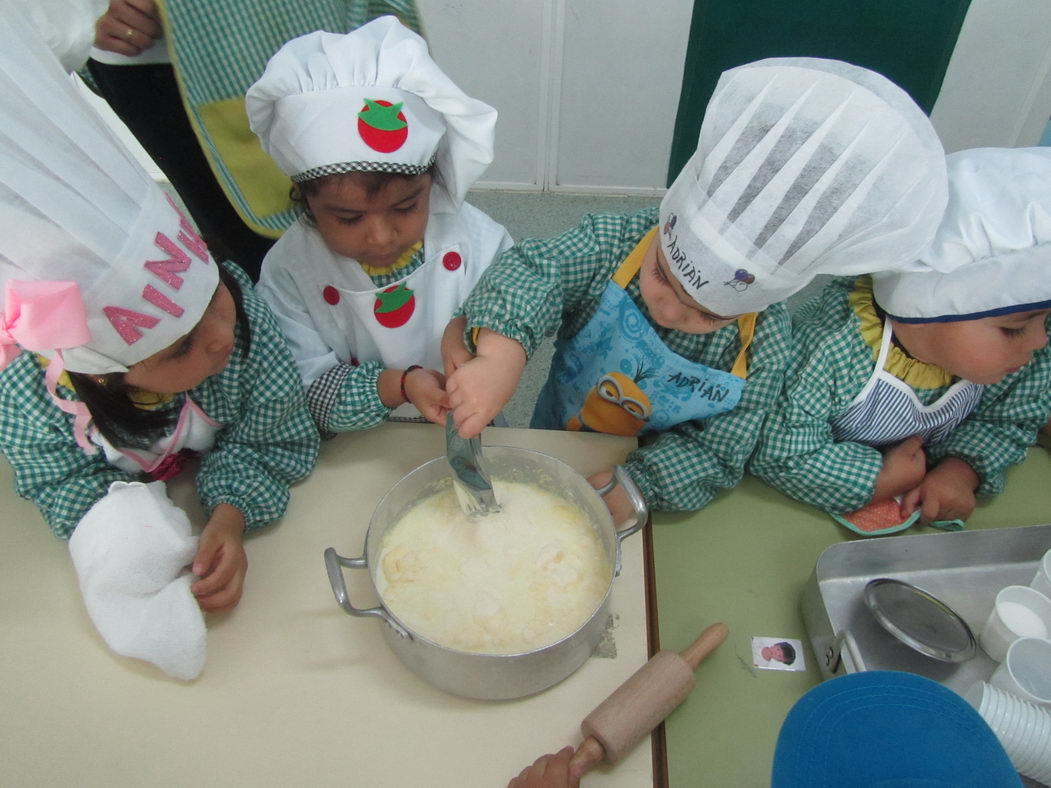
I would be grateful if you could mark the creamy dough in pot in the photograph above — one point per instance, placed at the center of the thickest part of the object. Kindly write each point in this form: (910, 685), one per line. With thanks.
(503, 583)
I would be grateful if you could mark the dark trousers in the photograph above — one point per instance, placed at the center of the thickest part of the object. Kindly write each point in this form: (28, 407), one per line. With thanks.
(147, 99)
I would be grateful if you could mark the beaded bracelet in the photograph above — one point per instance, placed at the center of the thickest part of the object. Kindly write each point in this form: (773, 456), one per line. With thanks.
(404, 375)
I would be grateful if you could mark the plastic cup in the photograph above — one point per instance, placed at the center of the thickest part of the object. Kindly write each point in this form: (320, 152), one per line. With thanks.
(1042, 580)
(1026, 670)
(1023, 728)
(1019, 611)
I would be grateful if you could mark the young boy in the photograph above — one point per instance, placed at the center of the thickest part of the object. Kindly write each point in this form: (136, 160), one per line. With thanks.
(803, 166)
(928, 383)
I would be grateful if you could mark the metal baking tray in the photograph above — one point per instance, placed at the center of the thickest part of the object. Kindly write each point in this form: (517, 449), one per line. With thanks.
(963, 569)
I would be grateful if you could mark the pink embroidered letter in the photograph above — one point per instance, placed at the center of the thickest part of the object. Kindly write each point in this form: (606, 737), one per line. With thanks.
(157, 298)
(128, 322)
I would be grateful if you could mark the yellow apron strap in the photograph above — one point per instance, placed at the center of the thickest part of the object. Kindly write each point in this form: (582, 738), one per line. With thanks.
(746, 328)
(633, 262)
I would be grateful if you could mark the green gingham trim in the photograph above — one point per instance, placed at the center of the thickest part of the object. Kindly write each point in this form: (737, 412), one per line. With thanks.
(364, 166)
(219, 49)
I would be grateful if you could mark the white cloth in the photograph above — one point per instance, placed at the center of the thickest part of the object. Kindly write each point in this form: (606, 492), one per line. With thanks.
(299, 267)
(68, 26)
(131, 552)
(803, 167)
(992, 253)
(76, 207)
(311, 110)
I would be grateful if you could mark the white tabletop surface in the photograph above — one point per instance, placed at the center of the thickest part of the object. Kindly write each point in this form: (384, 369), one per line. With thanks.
(294, 691)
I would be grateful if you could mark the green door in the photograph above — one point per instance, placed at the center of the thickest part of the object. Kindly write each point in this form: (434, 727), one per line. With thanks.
(908, 41)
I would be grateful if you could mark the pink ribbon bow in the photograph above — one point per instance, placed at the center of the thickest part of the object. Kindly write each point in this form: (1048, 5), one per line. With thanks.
(46, 316)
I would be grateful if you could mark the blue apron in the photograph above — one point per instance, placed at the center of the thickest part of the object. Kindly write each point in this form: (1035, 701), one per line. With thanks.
(616, 375)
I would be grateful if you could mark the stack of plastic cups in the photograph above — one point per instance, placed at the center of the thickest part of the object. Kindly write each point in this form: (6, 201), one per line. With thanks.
(1016, 701)
(1023, 728)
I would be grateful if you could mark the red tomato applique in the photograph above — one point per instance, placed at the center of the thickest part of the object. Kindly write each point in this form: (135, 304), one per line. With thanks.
(382, 126)
(394, 306)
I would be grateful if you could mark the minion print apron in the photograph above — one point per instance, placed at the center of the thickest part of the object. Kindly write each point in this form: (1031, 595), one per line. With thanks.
(887, 411)
(616, 375)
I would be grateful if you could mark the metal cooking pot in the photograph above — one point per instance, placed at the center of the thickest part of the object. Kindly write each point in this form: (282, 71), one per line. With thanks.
(491, 676)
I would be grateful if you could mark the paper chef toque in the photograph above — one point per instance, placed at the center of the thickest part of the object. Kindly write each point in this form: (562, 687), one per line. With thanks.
(370, 101)
(992, 253)
(803, 167)
(98, 268)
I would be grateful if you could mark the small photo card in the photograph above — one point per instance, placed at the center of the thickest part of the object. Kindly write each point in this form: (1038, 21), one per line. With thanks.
(778, 653)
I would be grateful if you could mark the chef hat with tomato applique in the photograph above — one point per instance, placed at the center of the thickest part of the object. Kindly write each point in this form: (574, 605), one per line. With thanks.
(371, 100)
(992, 253)
(803, 166)
(98, 267)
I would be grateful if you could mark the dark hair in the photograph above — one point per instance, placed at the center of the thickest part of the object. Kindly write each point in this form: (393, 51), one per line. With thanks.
(372, 182)
(788, 650)
(109, 399)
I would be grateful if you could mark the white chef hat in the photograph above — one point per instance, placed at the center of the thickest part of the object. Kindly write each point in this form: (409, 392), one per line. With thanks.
(371, 100)
(803, 166)
(98, 268)
(992, 253)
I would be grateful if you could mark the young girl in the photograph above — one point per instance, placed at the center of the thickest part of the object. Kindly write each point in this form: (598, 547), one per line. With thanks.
(929, 383)
(803, 166)
(124, 348)
(381, 147)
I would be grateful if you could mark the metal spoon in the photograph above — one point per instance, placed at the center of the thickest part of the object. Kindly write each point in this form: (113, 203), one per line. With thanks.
(470, 480)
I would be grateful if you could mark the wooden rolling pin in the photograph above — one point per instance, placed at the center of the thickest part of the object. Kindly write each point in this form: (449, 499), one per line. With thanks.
(639, 705)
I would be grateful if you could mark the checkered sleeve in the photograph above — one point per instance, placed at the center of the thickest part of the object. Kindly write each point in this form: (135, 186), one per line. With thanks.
(50, 469)
(347, 398)
(796, 452)
(1003, 426)
(268, 440)
(538, 286)
(683, 468)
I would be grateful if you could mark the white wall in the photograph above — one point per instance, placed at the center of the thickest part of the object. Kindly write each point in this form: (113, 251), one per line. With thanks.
(588, 89)
(997, 89)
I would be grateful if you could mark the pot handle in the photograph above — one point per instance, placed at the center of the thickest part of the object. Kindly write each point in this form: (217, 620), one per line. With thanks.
(333, 563)
(638, 505)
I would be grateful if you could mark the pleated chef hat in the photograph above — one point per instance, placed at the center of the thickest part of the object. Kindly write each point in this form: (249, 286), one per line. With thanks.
(803, 167)
(992, 253)
(371, 100)
(99, 269)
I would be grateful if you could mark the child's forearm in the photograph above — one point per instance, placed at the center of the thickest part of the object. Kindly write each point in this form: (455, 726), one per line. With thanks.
(491, 344)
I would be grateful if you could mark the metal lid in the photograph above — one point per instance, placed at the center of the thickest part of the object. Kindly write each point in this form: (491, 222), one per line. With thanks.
(919, 620)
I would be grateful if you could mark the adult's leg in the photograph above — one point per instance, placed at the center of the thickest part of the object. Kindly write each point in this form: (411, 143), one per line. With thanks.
(146, 98)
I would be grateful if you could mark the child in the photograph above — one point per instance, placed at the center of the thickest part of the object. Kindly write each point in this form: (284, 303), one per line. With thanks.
(928, 383)
(124, 347)
(382, 147)
(803, 166)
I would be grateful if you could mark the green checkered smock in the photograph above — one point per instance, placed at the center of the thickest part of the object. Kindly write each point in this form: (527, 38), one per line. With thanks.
(268, 440)
(543, 286)
(798, 455)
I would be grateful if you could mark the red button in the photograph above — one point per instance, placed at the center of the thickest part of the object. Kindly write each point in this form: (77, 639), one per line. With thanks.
(451, 260)
(331, 295)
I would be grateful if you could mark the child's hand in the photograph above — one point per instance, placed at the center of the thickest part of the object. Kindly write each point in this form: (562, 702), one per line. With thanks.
(220, 562)
(946, 492)
(548, 771)
(426, 390)
(480, 388)
(454, 352)
(904, 467)
(617, 500)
